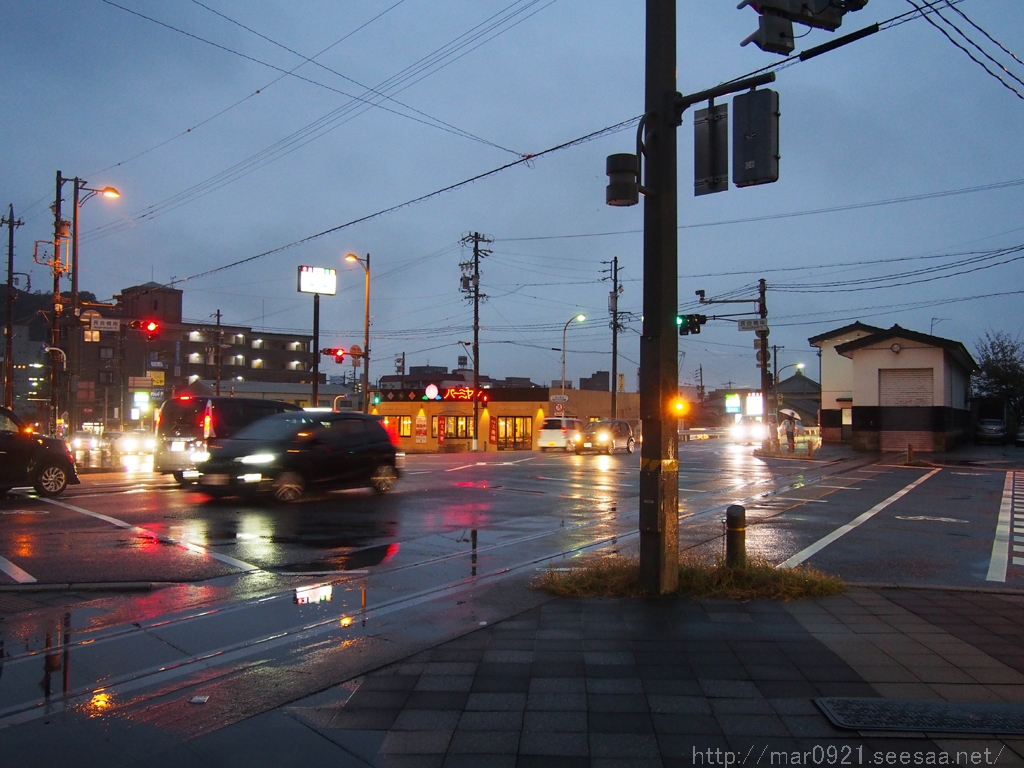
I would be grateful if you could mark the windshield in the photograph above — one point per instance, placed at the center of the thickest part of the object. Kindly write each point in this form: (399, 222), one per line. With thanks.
(278, 427)
(594, 426)
(176, 414)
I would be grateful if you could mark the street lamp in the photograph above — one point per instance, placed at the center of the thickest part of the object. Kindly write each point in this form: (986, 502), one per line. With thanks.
(579, 318)
(365, 264)
(76, 310)
(775, 380)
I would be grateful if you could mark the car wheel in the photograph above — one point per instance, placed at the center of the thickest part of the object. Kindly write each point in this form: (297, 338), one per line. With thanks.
(630, 445)
(51, 480)
(288, 486)
(383, 478)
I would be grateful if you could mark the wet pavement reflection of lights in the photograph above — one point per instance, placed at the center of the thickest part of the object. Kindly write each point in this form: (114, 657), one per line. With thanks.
(99, 704)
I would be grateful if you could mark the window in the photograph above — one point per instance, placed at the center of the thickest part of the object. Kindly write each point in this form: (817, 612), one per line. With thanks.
(455, 426)
(91, 336)
(106, 353)
(405, 426)
(105, 377)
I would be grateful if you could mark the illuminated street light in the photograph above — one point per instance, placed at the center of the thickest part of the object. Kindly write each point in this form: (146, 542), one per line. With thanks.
(365, 264)
(579, 318)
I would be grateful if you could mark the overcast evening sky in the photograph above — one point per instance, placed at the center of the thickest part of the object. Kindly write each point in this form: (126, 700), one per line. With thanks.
(220, 155)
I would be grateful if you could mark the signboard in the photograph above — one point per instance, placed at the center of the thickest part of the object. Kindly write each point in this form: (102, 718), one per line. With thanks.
(158, 365)
(318, 280)
(140, 382)
(442, 426)
(559, 398)
(421, 429)
(157, 377)
(622, 382)
(458, 393)
(104, 323)
(755, 406)
(157, 394)
(753, 324)
(141, 399)
(733, 403)
(494, 431)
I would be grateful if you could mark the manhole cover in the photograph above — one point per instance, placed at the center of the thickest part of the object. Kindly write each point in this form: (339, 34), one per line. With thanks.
(934, 716)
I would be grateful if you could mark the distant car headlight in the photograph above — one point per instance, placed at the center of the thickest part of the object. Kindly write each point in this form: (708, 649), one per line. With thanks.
(739, 431)
(758, 432)
(128, 445)
(257, 458)
(150, 444)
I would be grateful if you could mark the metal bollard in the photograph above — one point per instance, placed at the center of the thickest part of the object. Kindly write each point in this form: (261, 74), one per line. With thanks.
(736, 536)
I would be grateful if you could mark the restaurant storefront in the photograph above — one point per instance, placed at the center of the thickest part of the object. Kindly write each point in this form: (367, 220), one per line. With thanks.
(440, 420)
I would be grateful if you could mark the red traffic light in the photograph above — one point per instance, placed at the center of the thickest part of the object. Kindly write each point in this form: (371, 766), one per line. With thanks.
(338, 354)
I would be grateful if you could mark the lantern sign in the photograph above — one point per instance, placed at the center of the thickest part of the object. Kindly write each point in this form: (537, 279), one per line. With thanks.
(431, 392)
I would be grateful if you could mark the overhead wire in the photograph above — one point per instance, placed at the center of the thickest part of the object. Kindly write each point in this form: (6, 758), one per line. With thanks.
(494, 26)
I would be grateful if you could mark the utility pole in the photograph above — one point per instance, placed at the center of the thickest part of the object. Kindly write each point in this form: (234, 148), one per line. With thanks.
(659, 343)
(762, 307)
(613, 308)
(59, 232)
(218, 350)
(400, 367)
(471, 285)
(11, 223)
(700, 385)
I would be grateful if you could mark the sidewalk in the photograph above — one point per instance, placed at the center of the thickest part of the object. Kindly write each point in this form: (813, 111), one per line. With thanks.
(642, 682)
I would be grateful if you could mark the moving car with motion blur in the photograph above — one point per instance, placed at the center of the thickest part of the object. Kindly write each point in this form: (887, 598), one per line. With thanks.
(606, 436)
(187, 424)
(84, 441)
(289, 453)
(559, 433)
(137, 442)
(28, 459)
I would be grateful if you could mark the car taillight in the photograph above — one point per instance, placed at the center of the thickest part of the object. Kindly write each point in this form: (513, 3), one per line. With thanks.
(565, 430)
(207, 426)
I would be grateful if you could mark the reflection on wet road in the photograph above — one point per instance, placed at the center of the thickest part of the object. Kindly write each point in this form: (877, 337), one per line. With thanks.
(244, 580)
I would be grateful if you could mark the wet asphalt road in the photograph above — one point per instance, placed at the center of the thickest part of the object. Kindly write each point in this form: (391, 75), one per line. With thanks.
(344, 579)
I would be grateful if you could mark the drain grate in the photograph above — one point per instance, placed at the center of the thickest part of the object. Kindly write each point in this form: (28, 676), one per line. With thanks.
(934, 716)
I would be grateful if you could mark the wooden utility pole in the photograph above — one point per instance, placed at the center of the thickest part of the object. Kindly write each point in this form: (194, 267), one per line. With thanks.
(11, 223)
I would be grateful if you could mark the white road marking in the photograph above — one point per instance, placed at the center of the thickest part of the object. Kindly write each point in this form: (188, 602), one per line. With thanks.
(820, 544)
(1001, 543)
(16, 573)
(200, 550)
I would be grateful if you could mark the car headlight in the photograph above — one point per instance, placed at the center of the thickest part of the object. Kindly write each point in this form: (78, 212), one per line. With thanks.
(257, 458)
(602, 437)
(129, 445)
(150, 444)
(200, 456)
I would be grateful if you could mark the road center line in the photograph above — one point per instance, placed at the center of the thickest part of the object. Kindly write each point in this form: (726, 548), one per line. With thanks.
(1001, 542)
(187, 545)
(820, 544)
(16, 573)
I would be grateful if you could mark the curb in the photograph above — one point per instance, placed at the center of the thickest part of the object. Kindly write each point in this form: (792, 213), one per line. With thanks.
(90, 586)
(935, 587)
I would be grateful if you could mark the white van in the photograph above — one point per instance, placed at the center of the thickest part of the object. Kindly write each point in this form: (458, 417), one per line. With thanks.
(558, 433)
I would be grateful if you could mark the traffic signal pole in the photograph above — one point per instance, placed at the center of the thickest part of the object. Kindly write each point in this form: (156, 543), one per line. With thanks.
(659, 377)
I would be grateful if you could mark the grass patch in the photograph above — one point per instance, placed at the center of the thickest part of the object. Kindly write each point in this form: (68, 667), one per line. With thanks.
(620, 577)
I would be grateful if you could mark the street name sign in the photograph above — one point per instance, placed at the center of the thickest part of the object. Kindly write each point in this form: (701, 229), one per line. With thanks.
(753, 324)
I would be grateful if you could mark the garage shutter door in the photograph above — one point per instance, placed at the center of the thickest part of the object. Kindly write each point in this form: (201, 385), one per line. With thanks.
(905, 387)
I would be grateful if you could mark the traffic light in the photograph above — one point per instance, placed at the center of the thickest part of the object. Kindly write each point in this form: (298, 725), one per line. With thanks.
(775, 23)
(679, 407)
(375, 399)
(338, 354)
(690, 323)
(152, 329)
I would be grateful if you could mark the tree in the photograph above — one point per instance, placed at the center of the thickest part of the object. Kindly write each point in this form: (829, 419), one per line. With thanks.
(1001, 375)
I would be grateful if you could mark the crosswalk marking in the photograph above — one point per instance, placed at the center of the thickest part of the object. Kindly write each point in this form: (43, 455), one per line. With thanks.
(1009, 529)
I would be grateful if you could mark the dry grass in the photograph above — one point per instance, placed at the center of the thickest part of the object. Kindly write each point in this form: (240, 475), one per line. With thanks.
(620, 577)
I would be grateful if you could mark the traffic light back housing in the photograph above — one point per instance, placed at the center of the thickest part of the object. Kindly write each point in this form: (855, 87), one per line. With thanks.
(690, 323)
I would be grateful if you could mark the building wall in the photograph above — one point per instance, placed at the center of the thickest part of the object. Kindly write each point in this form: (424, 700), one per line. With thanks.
(836, 386)
(936, 427)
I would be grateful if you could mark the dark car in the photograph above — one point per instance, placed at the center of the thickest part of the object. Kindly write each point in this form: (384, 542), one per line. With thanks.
(288, 453)
(990, 431)
(187, 424)
(28, 459)
(605, 437)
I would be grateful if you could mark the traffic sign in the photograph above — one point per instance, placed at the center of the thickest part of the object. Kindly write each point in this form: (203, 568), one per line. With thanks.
(764, 356)
(559, 398)
(752, 324)
(559, 408)
(104, 323)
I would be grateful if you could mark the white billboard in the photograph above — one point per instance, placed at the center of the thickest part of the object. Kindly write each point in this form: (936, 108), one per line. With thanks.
(318, 280)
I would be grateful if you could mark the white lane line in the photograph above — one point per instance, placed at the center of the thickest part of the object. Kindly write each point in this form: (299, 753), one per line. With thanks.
(820, 544)
(1001, 543)
(16, 573)
(188, 545)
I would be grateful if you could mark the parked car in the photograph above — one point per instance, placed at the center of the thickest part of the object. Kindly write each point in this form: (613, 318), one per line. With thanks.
(187, 424)
(288, 453)
(990, 431)
(1019, 439)
(559, 433)
(606, 436)
(28, 459)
